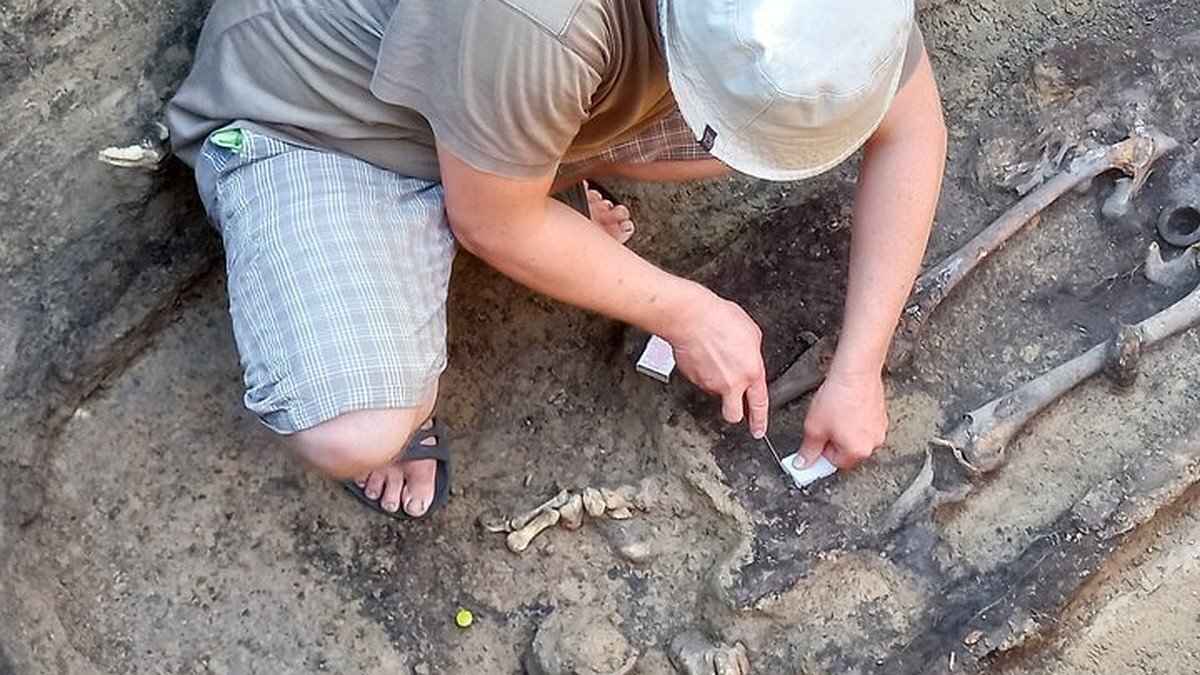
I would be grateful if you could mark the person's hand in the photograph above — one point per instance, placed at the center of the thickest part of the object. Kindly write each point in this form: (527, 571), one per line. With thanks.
(719, 348)
(847, 420)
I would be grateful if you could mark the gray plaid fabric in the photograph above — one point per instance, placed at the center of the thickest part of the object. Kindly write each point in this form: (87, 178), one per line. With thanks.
(337, 274)
(338, 270)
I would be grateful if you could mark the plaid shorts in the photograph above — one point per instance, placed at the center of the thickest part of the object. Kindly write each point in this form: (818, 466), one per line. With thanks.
(668, 139)
(338, 272)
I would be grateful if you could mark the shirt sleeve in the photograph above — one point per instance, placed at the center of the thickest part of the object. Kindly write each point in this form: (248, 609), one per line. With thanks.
(912, 53)
(500, 89)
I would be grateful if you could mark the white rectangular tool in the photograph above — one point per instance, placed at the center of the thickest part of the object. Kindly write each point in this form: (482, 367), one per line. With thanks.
(809, 474)
(657, 360)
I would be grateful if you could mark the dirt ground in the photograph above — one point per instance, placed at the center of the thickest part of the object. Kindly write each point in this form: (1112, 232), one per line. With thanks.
(179, 536)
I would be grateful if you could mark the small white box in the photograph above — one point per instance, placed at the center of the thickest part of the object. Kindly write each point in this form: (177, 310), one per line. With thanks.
(657, 360)
(809, 474)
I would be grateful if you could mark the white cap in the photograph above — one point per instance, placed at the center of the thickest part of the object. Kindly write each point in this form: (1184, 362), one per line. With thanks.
(784, 89)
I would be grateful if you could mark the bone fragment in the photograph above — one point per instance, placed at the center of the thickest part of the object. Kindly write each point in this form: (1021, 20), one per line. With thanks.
(921, 497)
(519, 521)
(980, 439)
(593, 502)
(142, 156)
(1124, 358)
(692, 653)
(519, 540)
(493, 522)
(1179, 223)
(805, 374)
(620, 513)
(1133, 156)
(920, 491)
(572, 512)
(1182, 270)
(1117, 204)
(614, 499)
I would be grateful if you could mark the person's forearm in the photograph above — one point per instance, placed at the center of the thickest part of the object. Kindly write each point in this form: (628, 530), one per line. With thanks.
(898, 187)
(557, 252)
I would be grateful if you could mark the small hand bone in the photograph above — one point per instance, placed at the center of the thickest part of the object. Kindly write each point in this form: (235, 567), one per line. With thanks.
(519, 540)
(593, 502)
(572, 512)
(979, 441)
(1133, 156)
(519, 521)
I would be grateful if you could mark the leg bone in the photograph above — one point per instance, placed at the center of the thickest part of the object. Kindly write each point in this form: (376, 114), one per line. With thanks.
(979, 441)
(1133, 155)
(805, 374)
(1182, 270)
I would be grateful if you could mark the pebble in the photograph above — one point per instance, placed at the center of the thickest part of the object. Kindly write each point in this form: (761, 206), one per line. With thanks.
(579, 640)
(636, 552)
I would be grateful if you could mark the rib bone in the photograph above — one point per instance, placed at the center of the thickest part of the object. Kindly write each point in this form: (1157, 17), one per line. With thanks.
(1133, 156)
(981, 437)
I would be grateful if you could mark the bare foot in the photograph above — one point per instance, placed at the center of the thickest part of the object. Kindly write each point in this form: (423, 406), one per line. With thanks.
(612, 218)
(407, 483)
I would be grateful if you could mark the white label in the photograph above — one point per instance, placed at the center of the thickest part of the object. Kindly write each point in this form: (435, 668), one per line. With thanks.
(657, 360)
(809, 474)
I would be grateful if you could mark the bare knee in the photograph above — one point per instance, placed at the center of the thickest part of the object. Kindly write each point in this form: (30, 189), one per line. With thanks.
(357, 442)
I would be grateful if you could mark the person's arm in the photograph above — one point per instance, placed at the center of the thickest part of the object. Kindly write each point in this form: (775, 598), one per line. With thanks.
(515, 227)
(898, 186)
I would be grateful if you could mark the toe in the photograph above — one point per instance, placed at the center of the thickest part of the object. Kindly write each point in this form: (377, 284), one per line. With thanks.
(392, 492)
(374, 484)
(419, 479)
(624, 231)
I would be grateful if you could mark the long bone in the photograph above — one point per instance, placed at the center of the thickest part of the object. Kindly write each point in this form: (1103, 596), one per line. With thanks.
(1133, 156)
(805, 374)
(980, 439)
(1181, 270)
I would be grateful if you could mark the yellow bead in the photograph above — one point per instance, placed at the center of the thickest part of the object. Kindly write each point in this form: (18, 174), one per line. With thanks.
(464, 618)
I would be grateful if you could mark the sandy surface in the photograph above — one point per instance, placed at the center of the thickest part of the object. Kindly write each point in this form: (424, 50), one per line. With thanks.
(179, 537)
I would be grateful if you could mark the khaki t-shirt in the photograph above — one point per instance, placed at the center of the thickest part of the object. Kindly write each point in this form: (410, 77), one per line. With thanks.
(510, 86)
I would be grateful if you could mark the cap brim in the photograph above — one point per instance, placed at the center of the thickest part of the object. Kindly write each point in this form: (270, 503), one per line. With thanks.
(806, 153)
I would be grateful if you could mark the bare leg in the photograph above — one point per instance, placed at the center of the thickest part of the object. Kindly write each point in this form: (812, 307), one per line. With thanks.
(612, 218)
(615, 218)
(365, 445)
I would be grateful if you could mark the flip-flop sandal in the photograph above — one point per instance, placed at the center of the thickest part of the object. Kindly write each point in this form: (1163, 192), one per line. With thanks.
(440, 451)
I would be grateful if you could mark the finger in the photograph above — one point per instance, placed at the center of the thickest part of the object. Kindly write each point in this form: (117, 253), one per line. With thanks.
(731, 407)
(757, 404)
(812, 447)
(848, 457)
